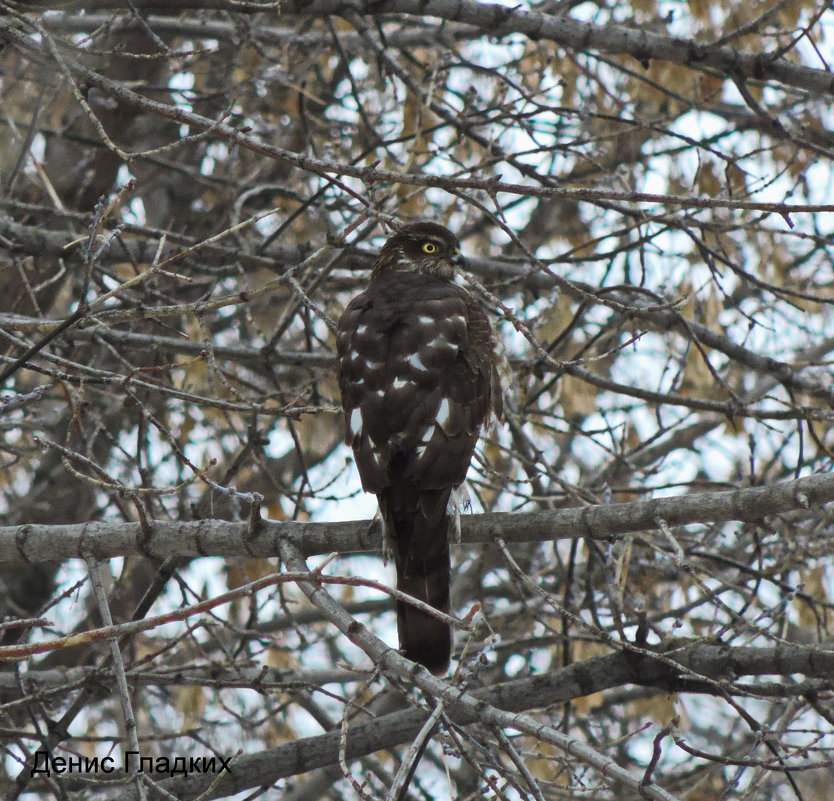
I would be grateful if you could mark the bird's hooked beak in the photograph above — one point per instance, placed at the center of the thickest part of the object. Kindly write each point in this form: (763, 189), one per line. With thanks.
(458, 259)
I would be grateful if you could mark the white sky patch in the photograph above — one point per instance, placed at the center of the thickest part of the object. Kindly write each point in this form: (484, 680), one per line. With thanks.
(215, 151)
(180, 84)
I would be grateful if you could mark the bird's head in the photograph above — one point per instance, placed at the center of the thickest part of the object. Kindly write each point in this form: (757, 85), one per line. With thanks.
(422, 247)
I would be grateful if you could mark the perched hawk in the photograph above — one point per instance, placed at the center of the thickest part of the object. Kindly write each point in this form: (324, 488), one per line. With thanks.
(418, 381)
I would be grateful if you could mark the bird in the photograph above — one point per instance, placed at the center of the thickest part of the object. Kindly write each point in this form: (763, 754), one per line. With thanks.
(418, 382)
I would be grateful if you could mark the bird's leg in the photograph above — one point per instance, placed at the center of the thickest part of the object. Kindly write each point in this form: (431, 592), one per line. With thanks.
(458, 499)
(387, 544)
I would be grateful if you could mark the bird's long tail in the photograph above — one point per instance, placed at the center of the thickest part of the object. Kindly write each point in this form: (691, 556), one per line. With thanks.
(417, 524)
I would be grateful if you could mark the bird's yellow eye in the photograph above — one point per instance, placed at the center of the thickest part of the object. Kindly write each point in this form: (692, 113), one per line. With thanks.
(429, 247)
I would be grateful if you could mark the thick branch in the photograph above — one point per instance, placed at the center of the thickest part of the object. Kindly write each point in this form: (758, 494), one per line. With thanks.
(559, 686)
(43, 543)
(500, 20)
(717, 663)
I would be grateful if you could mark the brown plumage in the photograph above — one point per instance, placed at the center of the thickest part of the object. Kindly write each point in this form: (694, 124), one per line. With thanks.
(418, 381)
